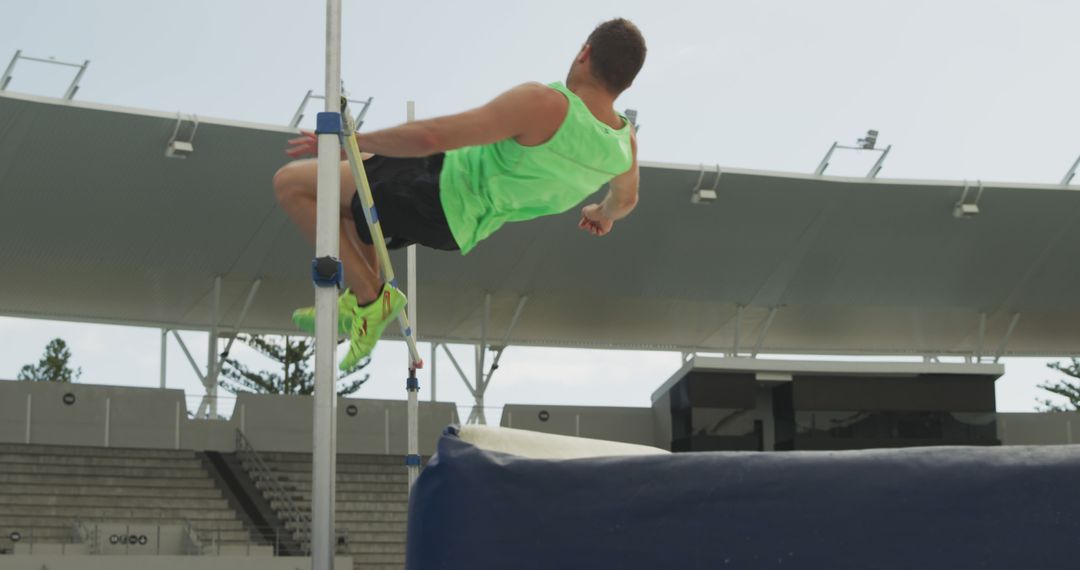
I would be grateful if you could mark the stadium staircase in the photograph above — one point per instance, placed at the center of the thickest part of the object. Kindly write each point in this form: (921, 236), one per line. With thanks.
(371, 506)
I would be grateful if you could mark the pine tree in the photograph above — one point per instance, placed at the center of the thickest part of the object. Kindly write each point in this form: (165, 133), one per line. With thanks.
(1068, 389)
(294, 354)
(53, 366)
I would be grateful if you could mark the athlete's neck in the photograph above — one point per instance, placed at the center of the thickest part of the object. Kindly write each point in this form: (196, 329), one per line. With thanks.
(599, 101)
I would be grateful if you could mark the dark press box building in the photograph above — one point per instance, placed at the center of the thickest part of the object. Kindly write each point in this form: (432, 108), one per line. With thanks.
(751, 405)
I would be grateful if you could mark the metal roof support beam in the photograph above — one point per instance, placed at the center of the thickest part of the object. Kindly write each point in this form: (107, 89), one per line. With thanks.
(164, 347)
(460, 372)
(71, 90)
(877, 165)
(982, 337)
(764, 331)
(211, 379)
(1005, 340)
(187, 353)
(505, 342)
(434, 348)
(825, 161)
(240, 320)
(482, 352)
(1071, 173)
(738, 331)
(299, 115)
(866, 143)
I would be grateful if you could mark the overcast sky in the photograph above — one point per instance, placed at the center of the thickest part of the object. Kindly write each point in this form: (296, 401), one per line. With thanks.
(977, 89)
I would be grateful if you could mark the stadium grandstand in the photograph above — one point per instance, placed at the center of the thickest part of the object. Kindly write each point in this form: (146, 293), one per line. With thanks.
(739, 460)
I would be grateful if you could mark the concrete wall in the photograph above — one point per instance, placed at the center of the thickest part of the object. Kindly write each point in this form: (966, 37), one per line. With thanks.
(1039, 429)
(104, 562)
(630, 425)
(279, 423)
(114, 416)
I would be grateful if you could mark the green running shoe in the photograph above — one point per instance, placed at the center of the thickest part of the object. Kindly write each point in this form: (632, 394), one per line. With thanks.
(369, 322)
(305, 318)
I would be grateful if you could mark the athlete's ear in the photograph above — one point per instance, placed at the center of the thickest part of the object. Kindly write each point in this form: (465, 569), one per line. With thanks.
(586, 51)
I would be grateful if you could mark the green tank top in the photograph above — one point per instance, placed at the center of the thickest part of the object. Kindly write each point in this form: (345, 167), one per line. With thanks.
(484, 187)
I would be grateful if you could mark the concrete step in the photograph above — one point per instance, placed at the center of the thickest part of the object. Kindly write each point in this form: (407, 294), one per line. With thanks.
(363, 507)
(16, 522)
(376, 537)
(297, 467)
(358, 496)
(69, 450)
(378, 561)
(368, 548)
(109, 491)
(349, 518)
(108, 481)
(376, 547)
(145, 462)
(162, 502)
(103, 471)
(117, 513)
(361, 529)
(304, 479)
(366, 487)
(342, 459)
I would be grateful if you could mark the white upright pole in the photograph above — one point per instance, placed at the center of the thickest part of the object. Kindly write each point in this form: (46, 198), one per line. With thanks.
(212, 347)
(412, 386)
(164, 347)
(326, 309)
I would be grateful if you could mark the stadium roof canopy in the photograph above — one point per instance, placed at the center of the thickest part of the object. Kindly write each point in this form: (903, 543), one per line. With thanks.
(97, 224)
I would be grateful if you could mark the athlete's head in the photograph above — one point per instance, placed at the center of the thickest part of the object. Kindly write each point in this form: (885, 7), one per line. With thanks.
(611, 57)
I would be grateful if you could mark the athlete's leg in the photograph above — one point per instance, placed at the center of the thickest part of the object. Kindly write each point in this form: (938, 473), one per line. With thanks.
(295, 187)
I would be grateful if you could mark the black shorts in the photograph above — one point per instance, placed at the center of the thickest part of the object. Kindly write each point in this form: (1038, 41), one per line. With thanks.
(406, 192)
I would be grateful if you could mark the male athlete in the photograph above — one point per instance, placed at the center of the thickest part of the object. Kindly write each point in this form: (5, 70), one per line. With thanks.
(448, 183)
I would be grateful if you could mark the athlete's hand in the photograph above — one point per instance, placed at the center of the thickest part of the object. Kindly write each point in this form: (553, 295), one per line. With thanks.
(594, 221)
(307, 144)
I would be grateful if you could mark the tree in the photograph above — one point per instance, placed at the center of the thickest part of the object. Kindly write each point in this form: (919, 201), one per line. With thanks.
(1066, 388)
(294, 354)
(53, 366)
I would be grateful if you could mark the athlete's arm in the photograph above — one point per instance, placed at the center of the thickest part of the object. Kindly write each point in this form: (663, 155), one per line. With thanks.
(530, 112)
(621, 199)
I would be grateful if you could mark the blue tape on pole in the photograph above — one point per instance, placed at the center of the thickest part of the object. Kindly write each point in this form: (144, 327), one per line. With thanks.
(408, 331)
(393, 283)
(412, 384)
(326, 271)
(328, 122)
(374, 216)
(412, 460)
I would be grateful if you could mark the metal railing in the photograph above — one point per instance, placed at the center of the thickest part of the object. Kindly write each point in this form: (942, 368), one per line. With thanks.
(274, 492)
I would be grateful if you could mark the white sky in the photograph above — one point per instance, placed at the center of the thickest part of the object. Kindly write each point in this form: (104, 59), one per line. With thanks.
(963, 89)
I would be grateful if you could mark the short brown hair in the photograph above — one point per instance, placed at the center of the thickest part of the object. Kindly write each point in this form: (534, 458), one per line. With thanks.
(618, 52)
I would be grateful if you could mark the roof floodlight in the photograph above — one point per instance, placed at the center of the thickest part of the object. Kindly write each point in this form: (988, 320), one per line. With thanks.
(182, 142)
(702, 195)
(869, 141)
(968, 204)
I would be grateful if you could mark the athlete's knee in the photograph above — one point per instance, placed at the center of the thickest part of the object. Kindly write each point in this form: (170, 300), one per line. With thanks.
(290, 182)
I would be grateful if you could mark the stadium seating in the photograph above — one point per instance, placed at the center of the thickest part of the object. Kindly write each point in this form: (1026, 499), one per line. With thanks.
(46, 489)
